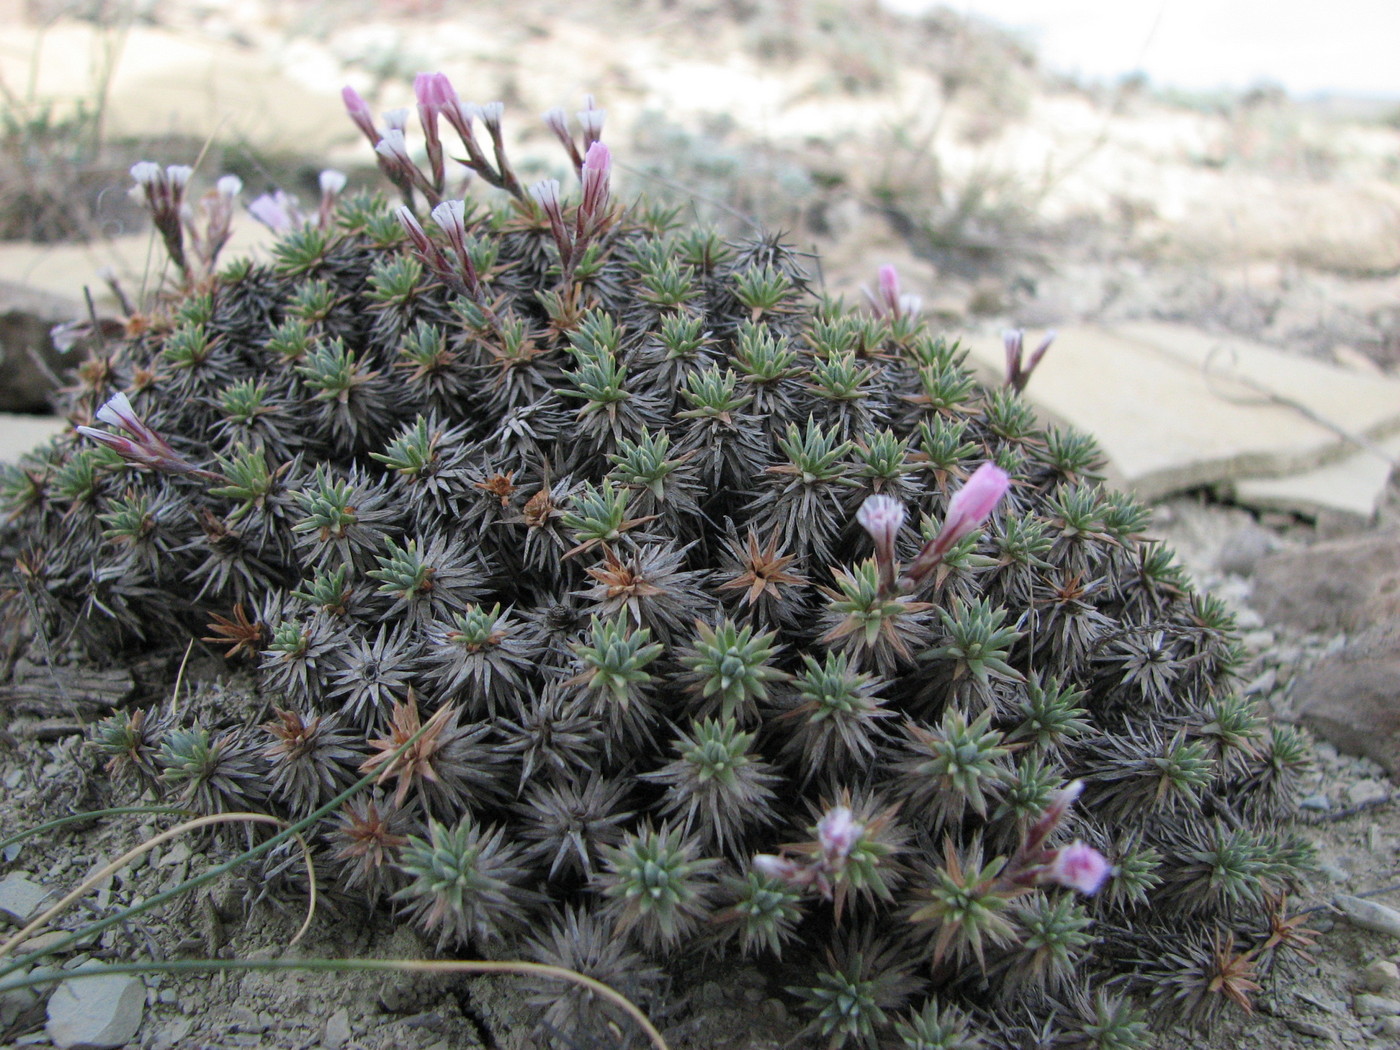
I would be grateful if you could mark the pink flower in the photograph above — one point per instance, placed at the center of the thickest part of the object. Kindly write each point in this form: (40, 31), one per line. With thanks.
(117, 412)
(882, 517)
(887, 300)
(970, 506)
(277, 211)
(838, 832)
(1079, 867)
(591, 118)
(1018, 374)
(780, 868)
(973, 504)
(360, 113)
(546, 194)
(597, 170)
(144, 447)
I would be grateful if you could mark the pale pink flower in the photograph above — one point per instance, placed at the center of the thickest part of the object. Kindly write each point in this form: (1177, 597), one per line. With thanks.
(1080, 867)
(144, 447)
(277, 211)
(883, 516)
(591, 118)
(888, 301)
(972, 504)
(597, 171)
(838, 832)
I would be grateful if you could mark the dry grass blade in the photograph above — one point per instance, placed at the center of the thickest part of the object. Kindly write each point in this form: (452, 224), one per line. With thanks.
(96, 878)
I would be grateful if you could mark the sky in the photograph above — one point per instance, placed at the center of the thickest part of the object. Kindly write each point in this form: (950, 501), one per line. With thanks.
(1310, 47)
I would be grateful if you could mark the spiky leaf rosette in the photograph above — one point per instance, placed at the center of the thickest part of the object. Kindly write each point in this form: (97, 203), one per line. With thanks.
(571, 1015)
(466, 883)
(657, 886)
(866, 977)
(717, 786)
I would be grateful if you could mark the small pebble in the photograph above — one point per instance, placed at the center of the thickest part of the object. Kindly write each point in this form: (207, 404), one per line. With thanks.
(1368, 1005)
(1246, 619)
(1258, 641)
(337, 1031)
(173, 1034)
(1389, 1026)
(775, 1011)
(1382, 977)
(1264, 684)
(1369, 915)
(1317, 803)
(1367, 791)
(711, 994)
(1333, 870)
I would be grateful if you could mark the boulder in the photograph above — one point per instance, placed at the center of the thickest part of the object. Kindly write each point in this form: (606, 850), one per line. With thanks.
(1353, 697)
(1341, 585)
(28, 360)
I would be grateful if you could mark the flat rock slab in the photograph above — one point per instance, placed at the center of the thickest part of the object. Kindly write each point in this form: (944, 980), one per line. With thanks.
(63, 273)
(20, 898)
(19, 434)
(1352, 487)
(1175, 407)
(163, 83)
(96, 1013)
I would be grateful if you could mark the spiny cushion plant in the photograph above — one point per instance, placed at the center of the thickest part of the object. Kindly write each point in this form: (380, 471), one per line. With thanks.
(586, 500)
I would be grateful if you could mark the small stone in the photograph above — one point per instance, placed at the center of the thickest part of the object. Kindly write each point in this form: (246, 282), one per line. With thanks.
(1309, 1028)
(754, 995)
(1382, 977)
(711, 994)
(96, 1013)
(1367, 791)
(20, 898)
(173, 1034)
(1246, 619)
(775, 1010)
(1368, 1005)
(17, 1001)
(1389, 1026)
(1263, 684)
(1243, 548)
(337, 1030)
(1316, 803)
(1334, 871)
(1368, 915)
(1258, 641)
